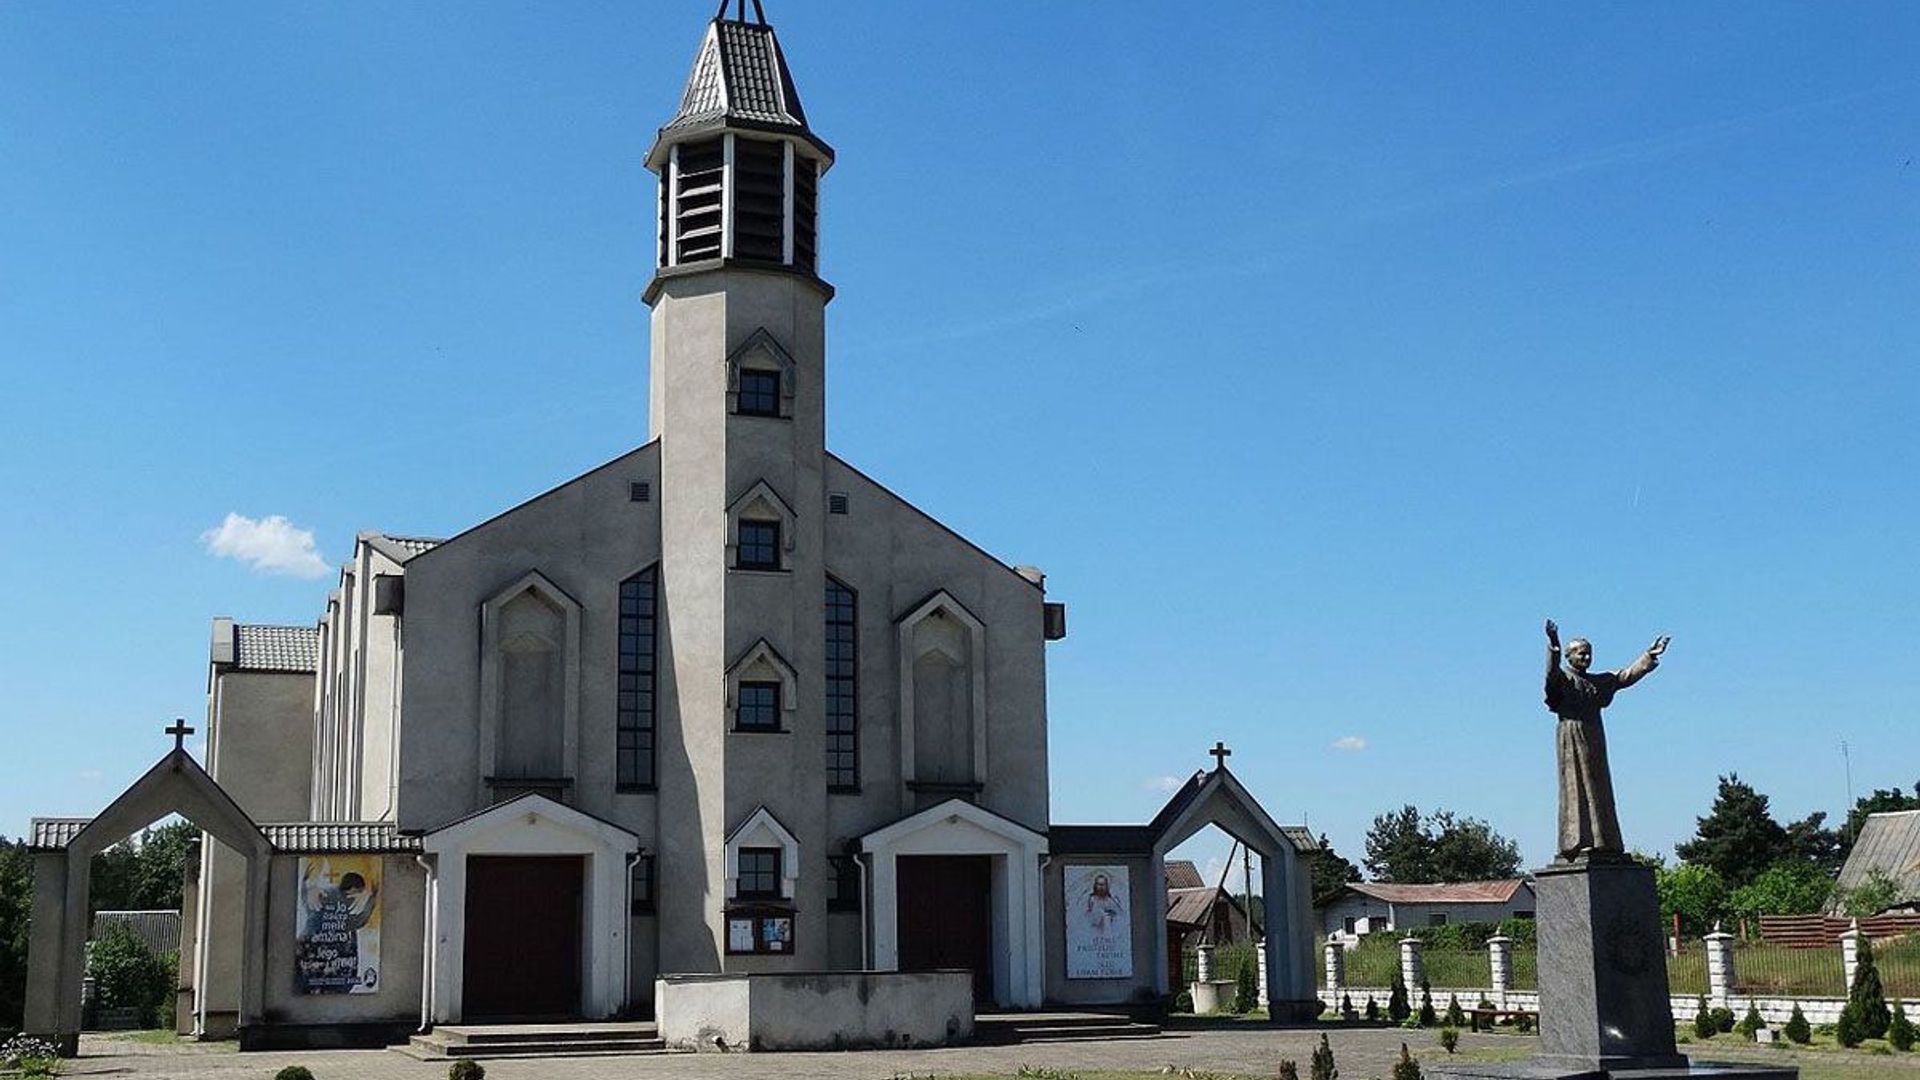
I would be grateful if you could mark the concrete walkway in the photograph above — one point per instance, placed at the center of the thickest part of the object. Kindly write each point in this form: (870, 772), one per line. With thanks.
(1243, 1050)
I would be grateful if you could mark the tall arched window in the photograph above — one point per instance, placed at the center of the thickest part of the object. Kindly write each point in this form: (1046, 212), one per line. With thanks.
(843, 738)
(638, 595)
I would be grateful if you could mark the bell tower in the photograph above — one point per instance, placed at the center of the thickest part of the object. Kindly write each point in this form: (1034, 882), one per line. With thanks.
(737, 401)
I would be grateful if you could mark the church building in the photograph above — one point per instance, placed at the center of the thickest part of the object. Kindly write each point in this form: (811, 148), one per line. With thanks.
(722, 704)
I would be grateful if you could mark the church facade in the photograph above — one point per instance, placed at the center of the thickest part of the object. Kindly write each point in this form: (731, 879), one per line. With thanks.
(722, 704)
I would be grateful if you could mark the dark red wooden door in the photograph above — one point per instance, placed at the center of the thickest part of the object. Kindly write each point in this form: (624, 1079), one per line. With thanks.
(946, 916)
(523, 937)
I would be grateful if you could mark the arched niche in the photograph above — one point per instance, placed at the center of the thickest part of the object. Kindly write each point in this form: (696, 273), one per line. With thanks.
(943, 697)
(529, 690)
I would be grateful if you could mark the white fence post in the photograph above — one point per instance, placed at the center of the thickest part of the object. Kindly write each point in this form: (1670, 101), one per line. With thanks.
(1500, 964)
(1336, 967)
(1413, 967)
(1260, 955)
(1720, 973)
(1203, 963)
(1850, 953)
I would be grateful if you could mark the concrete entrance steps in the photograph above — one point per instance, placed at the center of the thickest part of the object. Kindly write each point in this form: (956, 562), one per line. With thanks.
(450, 1041)
(1006, 1028)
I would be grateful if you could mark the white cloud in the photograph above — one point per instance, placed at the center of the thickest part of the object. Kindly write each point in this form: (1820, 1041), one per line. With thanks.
(1350, 742)
(1161, 783)
(271, 545)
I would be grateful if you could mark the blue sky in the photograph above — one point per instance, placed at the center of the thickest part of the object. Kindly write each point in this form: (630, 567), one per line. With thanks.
(1317, 354)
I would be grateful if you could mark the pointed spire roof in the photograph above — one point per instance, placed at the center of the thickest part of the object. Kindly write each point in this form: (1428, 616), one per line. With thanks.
(740, 79)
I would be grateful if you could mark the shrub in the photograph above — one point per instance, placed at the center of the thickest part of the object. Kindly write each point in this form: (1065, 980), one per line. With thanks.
(1703, 1025)
(33, 1057)
(1373, 1008)
(1723, 1020)
(1182, 1002)
(1406, 1068)
(1397, 1007)
(1246, 993)
(466, 1069)
(1456, 1016)
(1428, 1017)
(1449, 1039)
(128, 974)
(1847, 1031)
(294, 1072)
(1523, 1022)
(1321, 1067)
(1868, 998)
(1347, 1012)
(1751, 1022)
(1900, 1033)
(1797, 1030)
(1288, 1070)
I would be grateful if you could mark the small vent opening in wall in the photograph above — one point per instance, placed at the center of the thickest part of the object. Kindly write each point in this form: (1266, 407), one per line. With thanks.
(836, 503)
(640, 491)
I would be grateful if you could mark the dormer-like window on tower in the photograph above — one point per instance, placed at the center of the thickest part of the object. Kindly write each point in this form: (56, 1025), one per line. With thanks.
(759, 393)
(759, 545)
(758, 707)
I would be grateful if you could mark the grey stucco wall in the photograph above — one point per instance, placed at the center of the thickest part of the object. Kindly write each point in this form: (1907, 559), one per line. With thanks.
(1149, 934)
(402, 942)
(259, 747)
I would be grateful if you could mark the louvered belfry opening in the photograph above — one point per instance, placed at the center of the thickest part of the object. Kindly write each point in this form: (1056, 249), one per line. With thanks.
(806, 199)
(759, 199)
(699, 199)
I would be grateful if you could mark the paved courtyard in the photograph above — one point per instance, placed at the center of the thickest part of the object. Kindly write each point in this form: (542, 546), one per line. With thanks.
(1243, 1050)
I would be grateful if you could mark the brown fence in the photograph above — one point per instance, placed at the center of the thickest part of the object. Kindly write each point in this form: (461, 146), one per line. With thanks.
(1823, 931)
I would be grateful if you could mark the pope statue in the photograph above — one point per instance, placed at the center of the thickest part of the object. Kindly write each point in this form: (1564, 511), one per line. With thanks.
(1589, 824)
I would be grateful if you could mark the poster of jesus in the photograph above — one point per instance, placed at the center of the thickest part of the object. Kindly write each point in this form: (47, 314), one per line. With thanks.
(1099, 922)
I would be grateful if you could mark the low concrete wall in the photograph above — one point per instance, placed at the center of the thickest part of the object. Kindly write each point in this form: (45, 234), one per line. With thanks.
(832, 1010)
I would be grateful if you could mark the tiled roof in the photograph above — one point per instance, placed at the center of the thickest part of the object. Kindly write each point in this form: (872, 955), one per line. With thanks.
(1464, 892)
(1182, 874)
(739, 75)
(54, 834)
(1890, 843)
(400, 548)
(160, 930)
(330, 837)
(276, 648)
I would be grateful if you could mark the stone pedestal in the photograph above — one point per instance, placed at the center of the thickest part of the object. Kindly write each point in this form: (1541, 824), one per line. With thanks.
(1604, 1005)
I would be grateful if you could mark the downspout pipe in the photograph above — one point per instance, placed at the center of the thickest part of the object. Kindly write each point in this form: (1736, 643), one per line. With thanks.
(433, 942)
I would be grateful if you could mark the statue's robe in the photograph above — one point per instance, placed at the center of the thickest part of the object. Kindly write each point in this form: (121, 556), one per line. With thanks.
(1589, 821)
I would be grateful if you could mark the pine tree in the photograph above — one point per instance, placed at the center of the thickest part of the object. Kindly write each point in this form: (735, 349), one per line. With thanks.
(1798, 1031)
(1456, 1016)
(1321, 1067)
(1288, 1070)
(1703, 1025)
(1397, 1008)
(1406, 1068)
(1868, 997)
(1900, 1034)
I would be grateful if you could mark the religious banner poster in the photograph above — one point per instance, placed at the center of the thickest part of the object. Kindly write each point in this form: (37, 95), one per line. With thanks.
(1099, 923)
(337, 938)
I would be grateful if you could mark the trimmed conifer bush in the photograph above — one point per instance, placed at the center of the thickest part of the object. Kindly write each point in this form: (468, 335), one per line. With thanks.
(1428, 1017)
(1703, 1026)
(294, 1072)
(1288, 1070)
(1397, 1008)
(1373, 1008)
(1347, 1011)
(466, 1069)
(1798, 1031)
(1449, 1039)
(1900, 1033)
(1456, 1016)
(1847, 1031)
(1406, 1068)
(1868, 998)
(1751, 1022)
(1246, 994)
(1321, 1067)
(1723, 1020)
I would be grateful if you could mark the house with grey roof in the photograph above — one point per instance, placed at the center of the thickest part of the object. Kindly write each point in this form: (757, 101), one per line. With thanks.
(1889, 846)
(1363, 907)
